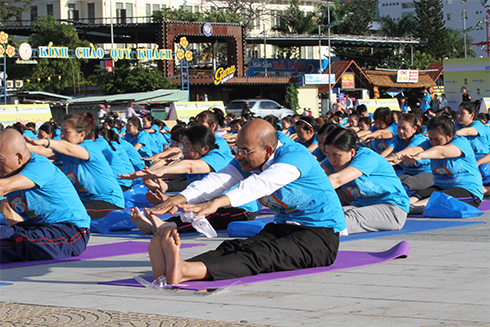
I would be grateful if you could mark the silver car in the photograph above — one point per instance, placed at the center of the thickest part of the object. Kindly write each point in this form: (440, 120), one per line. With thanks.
(259, 107)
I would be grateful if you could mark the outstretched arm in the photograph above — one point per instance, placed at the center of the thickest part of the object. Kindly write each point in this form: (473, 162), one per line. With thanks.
(46, 147)
(467, 131)
(15, 183)
(344, 176)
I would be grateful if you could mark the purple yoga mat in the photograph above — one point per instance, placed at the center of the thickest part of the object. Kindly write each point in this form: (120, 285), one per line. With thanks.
(95, 252)
(484, 205)
(345, 260)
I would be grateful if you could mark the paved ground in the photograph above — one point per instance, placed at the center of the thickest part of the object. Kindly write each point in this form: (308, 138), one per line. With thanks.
(444, 281)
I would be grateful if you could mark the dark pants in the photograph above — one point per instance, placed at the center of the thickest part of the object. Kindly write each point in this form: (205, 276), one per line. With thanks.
(278, 247)
(27, 241)
(456, 192)
(99, 209)
(218, 220)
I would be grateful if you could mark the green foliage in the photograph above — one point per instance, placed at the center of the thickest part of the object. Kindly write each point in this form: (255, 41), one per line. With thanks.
(219, 16)
(44, 75)
(455, 44)
(363, 13)
(295, 21)
(291, 97)
(405, 27)
(130, 79)
(430, 25)
(8, 11)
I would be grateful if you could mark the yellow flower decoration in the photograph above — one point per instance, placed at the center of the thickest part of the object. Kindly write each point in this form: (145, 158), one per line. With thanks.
(183, 42)
(188, 55)
(3, 37)
(2, 51)
(10, 51)
(180, 54)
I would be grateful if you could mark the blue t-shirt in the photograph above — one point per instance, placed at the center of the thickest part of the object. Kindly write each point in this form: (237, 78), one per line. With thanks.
(310, 200)
(160, 141)
(224, 147)
(30, 134)
(311, 141)
(52, 200)
(148, 146)
(461, 171)
(93, 178)
(379, 145)
(421, 166)
(404, 108)
(116, 130)
(427, 98)
(115, 160)
(479, 143)
(283, 138)
(378, 183)
(291, 130)
(166, 136)
(318, 155)
(132, 154)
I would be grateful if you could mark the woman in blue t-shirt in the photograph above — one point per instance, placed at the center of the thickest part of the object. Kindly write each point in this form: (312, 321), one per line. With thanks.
(380, 202)
(414, 176)
(201, 156)
(84, 164)
(477, 133)
(453, 164)
(150, 126)
(306, 128)
(384, 129)
(140, 139)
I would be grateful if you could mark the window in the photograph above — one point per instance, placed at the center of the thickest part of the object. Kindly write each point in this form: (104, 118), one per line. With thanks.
(91, 12)
(148, 13)
(72, 12)
(156, 7)
(49, 10)
(449, 17)
(449, 2)
(196, 9)
(120, 13)
(129, 12)
(408, 5)
(33, 12)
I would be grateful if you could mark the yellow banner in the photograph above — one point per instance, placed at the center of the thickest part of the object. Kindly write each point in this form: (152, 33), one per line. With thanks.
(185, 110)
(373, 104)
(24, 113)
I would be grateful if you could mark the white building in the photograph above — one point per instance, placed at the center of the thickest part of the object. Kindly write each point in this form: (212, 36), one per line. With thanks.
(453, 15)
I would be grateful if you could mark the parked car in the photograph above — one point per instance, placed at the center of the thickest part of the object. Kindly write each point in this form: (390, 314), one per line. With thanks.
(259, 107)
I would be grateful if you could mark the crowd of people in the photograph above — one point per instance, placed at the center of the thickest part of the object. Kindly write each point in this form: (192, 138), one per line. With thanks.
(348, 172)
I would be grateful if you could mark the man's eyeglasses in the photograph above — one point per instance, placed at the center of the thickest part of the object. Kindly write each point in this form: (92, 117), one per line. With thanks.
(243, 152)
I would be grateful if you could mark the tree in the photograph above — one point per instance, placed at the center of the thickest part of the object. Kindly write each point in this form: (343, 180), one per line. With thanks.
(51, 75)
(250, 11)
(218, 16)
(405, 27)
(130, 79)
(295, 21)
(8, 11)
(291, 97)
(455, 44)
(363, 13)
(430, 25)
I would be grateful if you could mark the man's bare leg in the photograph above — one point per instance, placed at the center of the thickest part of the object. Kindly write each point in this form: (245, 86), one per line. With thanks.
(11, 217)
(157, 222)
(178, 270)
(417, 206)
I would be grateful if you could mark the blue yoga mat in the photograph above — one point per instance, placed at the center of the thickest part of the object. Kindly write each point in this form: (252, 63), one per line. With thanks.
(411, 226)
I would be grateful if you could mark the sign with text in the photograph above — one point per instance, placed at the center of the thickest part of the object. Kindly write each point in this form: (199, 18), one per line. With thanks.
(407, 76)
(24, 113)
(319, 78)
(185, 110)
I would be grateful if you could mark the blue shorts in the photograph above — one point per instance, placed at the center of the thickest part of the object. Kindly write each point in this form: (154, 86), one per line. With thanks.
(27, 241)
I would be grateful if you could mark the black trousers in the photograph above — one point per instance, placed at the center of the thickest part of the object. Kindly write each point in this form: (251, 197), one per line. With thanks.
(99, 208)
(278, 247)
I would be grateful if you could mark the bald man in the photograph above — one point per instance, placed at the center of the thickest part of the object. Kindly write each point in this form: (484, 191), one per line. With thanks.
(46, 218)
(286, 178)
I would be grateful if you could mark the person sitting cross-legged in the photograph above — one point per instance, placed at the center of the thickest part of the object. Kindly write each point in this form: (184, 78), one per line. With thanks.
(46, 218)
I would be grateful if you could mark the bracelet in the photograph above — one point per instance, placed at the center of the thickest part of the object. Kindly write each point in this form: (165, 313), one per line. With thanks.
(49, 144)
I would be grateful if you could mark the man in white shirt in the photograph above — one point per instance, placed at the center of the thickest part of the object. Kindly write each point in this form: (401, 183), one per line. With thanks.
(130, 112)
(287, 179)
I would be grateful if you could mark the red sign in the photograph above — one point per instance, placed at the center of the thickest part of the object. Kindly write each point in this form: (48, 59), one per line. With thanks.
(108, 66)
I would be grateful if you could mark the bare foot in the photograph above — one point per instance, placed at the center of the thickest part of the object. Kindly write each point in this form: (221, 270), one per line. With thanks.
(155, 221)
(157, 257)
(143, 223)
(11, 217)
(171, 248)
